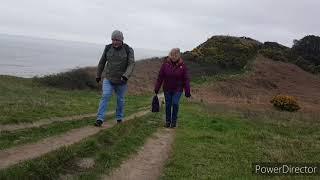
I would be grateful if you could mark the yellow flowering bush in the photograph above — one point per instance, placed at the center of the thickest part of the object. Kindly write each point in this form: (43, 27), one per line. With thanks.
(285, 103)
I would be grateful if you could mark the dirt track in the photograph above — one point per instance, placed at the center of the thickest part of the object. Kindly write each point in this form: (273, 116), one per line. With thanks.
(11, 156)
(149, 162)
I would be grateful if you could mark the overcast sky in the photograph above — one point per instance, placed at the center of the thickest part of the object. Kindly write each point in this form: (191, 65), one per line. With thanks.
(161, 24)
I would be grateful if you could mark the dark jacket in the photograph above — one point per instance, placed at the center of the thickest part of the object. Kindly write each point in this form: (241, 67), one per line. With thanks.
(118, 63)
(174, 77)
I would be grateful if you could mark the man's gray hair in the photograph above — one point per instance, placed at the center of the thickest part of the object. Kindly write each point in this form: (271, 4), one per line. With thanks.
(117, 35)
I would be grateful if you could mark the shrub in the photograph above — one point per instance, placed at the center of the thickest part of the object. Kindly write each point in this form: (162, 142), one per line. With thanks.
(276, 51)
(81, 78)
(275, 54)
(308, 51)
(285, 103)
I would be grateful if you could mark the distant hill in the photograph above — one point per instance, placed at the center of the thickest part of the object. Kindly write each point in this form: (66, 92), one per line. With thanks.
(307, 53)
(234, 53)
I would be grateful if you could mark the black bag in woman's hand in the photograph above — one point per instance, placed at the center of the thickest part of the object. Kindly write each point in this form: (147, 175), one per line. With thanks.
(155, 104)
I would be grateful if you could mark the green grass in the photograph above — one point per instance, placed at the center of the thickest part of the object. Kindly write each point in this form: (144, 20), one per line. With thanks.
(215, 146)
(29, 135)
(18, 137)
(108, 148)
(22, 100)
(201, 80)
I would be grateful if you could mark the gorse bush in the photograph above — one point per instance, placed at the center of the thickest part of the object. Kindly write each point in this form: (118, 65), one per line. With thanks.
(226, 51)
(285, 103)
(81, 78)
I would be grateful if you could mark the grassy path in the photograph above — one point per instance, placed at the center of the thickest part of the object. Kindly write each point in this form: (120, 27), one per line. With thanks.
(42, 122)
(93, 156)
(17, 154)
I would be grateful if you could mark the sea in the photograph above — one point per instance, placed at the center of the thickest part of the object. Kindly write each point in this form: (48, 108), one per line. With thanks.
(27, 57)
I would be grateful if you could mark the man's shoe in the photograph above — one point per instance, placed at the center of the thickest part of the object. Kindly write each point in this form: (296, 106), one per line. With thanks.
(167, 125)
(98, 123)
(119, 121)
(173, 126)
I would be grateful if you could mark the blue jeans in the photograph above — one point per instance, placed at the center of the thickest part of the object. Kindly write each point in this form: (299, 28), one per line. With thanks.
(107, 89)
(172, 106)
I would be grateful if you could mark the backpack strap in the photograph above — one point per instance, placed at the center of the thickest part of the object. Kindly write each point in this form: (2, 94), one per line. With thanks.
(127, 48)
(108, 47)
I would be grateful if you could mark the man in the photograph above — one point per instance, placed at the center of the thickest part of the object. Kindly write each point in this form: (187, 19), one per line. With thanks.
(120, 63)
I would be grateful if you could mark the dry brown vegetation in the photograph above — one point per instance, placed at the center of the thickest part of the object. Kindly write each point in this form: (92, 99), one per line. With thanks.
(268, 78)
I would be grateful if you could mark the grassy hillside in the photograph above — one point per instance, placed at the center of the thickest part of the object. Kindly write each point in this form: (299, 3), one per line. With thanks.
(216, 142)
(23, 100)
(212, 142)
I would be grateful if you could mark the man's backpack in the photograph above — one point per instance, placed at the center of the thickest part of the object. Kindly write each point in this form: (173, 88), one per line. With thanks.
(126, 47)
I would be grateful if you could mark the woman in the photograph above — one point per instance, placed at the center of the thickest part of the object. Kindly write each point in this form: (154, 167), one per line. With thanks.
(175, 78)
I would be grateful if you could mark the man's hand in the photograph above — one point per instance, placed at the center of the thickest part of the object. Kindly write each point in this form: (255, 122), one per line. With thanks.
(124, 79)
(188, 95)
(98, 79)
